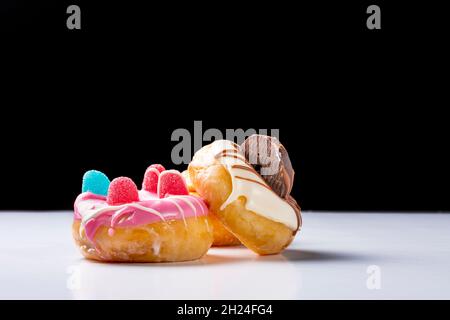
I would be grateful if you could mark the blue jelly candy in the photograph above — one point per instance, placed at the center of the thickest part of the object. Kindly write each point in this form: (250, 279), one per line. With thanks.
(96, 182)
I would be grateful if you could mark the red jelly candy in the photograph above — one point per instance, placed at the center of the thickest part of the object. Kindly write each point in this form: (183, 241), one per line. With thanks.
(122, 190)
(171, 182)
(158, 167)
(151, 177)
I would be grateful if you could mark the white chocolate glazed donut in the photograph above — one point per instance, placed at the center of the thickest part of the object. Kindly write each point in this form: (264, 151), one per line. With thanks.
(244, 202)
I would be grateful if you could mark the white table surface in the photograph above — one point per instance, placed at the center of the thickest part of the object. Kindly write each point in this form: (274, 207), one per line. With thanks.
(329, 259)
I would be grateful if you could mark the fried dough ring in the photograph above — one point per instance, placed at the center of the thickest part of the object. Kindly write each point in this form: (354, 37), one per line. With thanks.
(263, 236)
(222, 237)
(170, 241)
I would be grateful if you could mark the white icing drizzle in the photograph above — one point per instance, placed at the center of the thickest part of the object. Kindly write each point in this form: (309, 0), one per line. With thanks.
(179, 210)
(248, 183)
(199, 204)
(207, 225)
(89, 209)
(87, 214)
(188, 203)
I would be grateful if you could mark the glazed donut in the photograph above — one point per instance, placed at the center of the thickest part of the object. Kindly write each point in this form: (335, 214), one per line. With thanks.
(245, 203)
(115, 222)
(222, 237)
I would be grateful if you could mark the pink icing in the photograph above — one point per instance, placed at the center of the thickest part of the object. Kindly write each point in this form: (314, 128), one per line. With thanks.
(149, 209)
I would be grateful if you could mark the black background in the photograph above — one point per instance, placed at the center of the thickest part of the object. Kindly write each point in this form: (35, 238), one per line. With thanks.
(360, 111)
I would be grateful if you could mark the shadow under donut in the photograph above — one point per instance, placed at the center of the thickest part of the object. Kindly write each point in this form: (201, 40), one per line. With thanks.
(314, 255)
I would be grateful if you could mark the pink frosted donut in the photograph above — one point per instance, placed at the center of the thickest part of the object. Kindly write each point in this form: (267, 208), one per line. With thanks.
(153, 229)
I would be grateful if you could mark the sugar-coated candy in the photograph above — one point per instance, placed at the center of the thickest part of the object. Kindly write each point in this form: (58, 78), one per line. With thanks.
(150, 182)
(158, 167)
(122, 190)
(171, 182)
(96, 182)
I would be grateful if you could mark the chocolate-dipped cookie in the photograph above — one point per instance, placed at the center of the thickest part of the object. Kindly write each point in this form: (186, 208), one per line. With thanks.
(271, 160)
